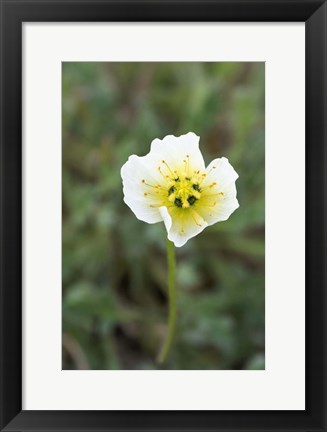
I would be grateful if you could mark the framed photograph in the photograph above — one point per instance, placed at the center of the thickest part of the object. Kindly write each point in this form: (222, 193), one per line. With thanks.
(163, 234)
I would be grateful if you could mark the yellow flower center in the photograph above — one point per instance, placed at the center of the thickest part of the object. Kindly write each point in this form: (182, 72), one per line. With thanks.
(180, 188)
(184, 190)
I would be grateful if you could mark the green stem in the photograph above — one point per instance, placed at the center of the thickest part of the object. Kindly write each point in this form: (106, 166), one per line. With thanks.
(172, 302)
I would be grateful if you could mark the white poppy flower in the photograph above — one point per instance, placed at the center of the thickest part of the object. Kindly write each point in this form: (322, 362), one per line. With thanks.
(172, 184)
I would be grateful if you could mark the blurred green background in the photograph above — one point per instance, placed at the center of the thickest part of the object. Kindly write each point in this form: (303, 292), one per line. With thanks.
(114, 310)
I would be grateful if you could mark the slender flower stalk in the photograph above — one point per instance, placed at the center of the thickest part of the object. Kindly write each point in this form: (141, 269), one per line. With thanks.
(172, 303)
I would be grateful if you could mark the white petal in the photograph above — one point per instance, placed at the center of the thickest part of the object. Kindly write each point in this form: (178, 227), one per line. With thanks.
(224, 207)
(182, 224)
(221, 172)
(133, 172)
(219, 200)
(175, 150)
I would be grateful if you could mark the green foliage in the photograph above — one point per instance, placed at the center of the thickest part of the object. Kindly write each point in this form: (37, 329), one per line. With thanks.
(114, 266)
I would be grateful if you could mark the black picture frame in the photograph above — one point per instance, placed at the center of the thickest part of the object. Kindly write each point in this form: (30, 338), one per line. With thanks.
(16, 12)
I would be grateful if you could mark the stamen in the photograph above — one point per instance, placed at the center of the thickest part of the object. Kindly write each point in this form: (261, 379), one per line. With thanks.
(212, 168)
(209, 187)
(202, 177)
(213, 194)
(152, 186)
(159, 205)
(193, 216)
(165, 163)
(182, 226)
(155, 194)
(209, 205)
(163, 175)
